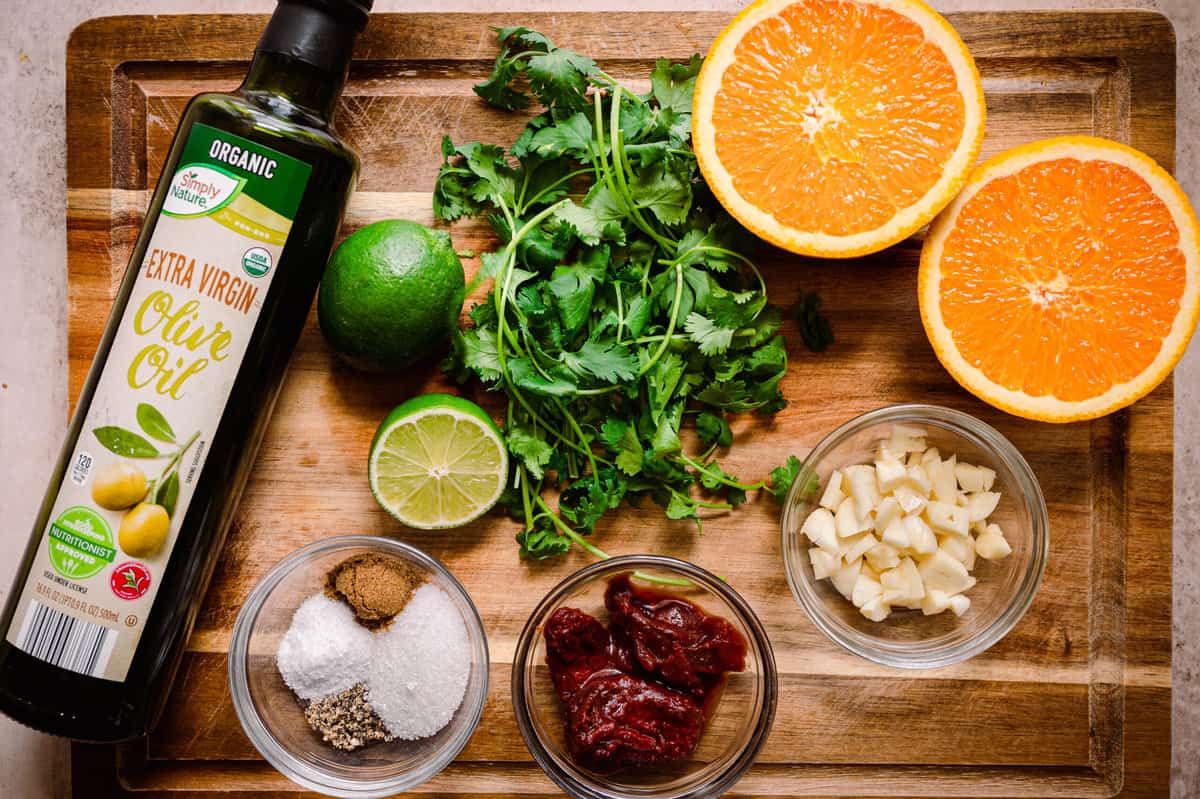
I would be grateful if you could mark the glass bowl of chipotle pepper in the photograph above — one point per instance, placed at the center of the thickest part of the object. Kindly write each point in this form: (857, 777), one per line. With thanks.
(644, 676)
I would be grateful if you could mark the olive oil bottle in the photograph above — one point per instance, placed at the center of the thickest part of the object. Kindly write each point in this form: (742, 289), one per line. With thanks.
(165, 432)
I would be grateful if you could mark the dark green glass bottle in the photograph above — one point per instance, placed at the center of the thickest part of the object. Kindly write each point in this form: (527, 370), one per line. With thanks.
(190, 364)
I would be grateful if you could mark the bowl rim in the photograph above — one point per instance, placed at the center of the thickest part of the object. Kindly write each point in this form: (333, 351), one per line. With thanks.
(767, 677)
(982, 435)
(284, 761)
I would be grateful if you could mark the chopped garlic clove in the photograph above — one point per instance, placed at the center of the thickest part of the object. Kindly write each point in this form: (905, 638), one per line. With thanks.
(982, 504)
(889, 475)
(844, 577)
(833, 495)
(821, 530)
(875, 610)
(944, 485)
(883, 556)
(902, 585)
(947, 518)
(941, 572)
(909, 499)
(864, 488)
(855, 548)
(847, 522)
(887, 511)
(865, 589)
(920, 536)
(935, 602)
(961, 548)
(991, 544)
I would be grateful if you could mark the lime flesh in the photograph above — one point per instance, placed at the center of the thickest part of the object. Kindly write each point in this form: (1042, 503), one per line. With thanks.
(437, 461)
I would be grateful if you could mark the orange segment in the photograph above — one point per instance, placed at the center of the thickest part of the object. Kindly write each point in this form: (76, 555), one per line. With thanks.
(837, 127)
(1063, 283)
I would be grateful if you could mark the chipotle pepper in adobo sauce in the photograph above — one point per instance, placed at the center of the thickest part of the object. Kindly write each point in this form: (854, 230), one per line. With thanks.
(638, 694)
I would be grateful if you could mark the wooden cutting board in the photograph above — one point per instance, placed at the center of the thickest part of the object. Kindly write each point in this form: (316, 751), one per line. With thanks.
(1076, 701)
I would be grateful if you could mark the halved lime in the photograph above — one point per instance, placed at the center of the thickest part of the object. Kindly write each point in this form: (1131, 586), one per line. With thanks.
(437, 461)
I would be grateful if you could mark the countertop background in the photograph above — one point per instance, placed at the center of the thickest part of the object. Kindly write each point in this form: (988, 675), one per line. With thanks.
(33, 331)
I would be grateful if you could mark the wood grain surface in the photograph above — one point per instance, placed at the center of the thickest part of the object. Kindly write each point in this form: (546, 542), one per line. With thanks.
(1074, 702)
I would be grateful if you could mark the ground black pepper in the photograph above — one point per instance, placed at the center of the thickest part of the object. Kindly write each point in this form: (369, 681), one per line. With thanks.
(346, 720)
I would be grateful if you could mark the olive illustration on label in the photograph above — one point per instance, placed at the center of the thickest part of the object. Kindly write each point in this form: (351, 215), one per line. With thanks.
(120, 485)
(143, 531)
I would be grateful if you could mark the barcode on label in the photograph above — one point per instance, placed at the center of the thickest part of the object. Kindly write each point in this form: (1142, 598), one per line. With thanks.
(65, 641)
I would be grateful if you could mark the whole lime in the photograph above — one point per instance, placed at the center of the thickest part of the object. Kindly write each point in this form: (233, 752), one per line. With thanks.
(391, 295)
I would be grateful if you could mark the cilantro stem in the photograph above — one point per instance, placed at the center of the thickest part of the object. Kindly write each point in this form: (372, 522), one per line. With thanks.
(526, 205)
(596, 551)
(621, 170)
(670, 324)
(525, 503)
(583, 441)
(566, 530)
(620, 310)
(602, 170)
(720, 478)
(700, 503)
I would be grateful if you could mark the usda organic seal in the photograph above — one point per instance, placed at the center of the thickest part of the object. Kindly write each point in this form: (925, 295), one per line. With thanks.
(256, 261)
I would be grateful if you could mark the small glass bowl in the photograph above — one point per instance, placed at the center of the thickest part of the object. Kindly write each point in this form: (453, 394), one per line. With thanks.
(740, 718)
(908, 639)
(274, 719)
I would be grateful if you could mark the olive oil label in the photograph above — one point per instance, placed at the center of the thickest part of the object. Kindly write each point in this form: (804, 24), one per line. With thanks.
(160, 395)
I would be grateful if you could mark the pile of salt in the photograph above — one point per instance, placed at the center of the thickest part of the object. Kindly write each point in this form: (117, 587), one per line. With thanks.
(418, 673)
(325, 651)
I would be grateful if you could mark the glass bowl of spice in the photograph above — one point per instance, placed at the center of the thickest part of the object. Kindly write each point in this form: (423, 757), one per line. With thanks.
(358, 666)
(644, 676)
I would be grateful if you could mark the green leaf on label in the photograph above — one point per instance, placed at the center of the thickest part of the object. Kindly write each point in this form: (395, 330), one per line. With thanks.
(124, 442)
(154, 423)
(168, 493)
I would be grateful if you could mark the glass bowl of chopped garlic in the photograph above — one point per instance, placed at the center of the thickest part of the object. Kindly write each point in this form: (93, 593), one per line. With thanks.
(358, 666)
(915, 536)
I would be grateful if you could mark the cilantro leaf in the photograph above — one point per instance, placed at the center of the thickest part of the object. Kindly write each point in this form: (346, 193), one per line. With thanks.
(582, 222)
(559, 78)
(680, 506)
(782, 477)
(637, 315)
(478, 351)
(631, 303)
(814, 327)
(673, 84)
(712, 429)
(610, 362)
(532, 450)
(630, 453)
(662, 191)
(711, 338)
(523, 374)
(541, 543)
(572, 137)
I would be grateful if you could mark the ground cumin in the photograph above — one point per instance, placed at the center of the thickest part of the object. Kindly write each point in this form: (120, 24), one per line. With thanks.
(377, 586)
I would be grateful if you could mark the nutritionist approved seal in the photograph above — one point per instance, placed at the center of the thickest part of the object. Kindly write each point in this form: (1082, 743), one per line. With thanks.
(158, 401)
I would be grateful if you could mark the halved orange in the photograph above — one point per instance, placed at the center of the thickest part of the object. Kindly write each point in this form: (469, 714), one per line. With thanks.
(836, 128)
(1063, 283)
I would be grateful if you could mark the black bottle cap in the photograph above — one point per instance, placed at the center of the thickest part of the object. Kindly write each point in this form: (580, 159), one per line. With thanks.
(354, 11)
(318, 32)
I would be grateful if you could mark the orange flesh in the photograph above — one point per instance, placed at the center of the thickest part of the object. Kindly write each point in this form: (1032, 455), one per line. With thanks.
(1063, 278)
(833, 116)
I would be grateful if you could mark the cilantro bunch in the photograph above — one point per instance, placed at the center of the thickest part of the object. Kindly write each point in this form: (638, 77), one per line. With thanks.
(623, 304)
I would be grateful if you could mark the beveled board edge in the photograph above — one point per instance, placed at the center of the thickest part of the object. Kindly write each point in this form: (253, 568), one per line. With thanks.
(1137, 443)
